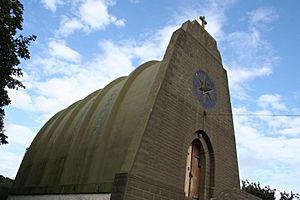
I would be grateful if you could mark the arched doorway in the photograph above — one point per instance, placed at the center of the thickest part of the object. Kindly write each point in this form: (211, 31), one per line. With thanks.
(199, 176)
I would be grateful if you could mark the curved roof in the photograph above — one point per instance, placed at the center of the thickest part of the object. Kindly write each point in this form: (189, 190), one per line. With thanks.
(82, 147)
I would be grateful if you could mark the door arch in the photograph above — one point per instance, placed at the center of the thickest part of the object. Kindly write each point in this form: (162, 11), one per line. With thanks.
(199, 175)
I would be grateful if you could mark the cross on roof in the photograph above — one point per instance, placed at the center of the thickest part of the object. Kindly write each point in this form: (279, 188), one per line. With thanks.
(204, 22)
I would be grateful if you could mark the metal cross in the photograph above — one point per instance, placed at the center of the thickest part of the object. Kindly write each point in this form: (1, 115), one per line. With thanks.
(204, 22)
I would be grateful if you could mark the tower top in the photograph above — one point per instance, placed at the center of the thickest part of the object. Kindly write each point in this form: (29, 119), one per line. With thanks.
(202, 36)
(204, 22)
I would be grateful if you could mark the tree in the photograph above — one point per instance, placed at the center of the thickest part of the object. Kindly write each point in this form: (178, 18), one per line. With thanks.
(5, 186)
(286, 196)
(266, 193)
(12, 48)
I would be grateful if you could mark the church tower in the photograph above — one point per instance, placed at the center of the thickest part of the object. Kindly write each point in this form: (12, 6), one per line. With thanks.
(164, 132)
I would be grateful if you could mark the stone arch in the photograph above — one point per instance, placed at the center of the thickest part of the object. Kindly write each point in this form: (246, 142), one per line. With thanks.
(199, 175)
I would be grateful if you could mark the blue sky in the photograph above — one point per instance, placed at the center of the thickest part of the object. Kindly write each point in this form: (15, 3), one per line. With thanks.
(84, 44)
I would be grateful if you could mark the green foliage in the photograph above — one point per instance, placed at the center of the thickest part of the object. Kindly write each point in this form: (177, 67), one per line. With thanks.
(286, 196)
(266, 193)
(12, 48)
(5, 185)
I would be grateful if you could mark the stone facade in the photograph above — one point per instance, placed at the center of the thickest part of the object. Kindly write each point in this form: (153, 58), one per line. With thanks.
(176, 118)
(62, 197)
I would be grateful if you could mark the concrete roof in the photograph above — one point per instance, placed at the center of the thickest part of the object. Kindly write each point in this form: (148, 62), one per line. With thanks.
(82, 147)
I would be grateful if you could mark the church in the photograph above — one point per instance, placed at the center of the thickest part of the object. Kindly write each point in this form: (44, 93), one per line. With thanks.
(163, 132)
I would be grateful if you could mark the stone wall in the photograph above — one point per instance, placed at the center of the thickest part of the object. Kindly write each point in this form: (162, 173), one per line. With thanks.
(235, 194)
(61, 197)
(177, 115)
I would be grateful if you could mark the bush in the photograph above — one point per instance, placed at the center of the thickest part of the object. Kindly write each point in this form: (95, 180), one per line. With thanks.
(5, 185)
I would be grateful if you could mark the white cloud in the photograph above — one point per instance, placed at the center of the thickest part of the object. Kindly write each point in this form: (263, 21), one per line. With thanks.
(58, 49)
(10, 163)
(69, 25)
(279, 125)
(52, 4)
(88, 15)
(247, 56)
(262, 15)
(291, 127)
(249, 41)
(271, 100)
(269, 148)
(20, 99)
(19, 134)
(215, 14)
(115, 57)
(154, 47)
(240, 76)
(51, 95)
(274, 119)
(117, 22)
(94, 13)
(264, 154)
(51, 66)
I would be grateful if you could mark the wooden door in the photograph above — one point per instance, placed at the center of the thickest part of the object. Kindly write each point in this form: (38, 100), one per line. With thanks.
(195, 173)
(188, 172)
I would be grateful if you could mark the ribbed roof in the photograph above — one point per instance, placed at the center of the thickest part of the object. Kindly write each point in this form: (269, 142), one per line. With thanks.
(82, 147)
